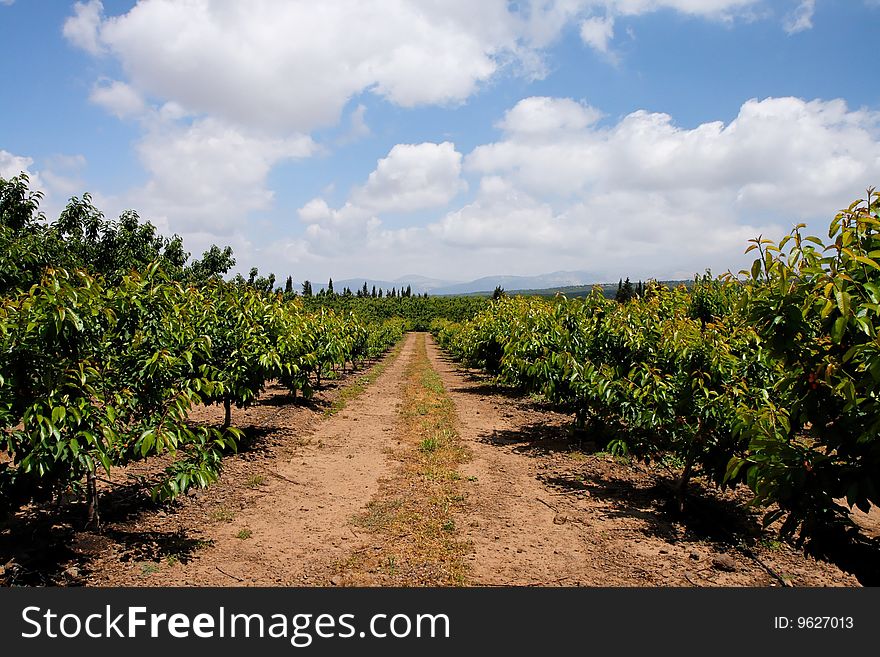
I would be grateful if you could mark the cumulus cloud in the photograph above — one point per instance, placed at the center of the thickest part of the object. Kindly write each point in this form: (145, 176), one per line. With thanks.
(224, 92)
(560, 189)
(82, 29)
(118, 98)
(62, 175)
(801, 18)
(59, 177)
(597, 32)
(412, 177)
(541, 116)
(209, 174)
(12, 165)
(786, 153)
(704, 8)
(357, 126)
(290, 65)
(650, 196)
(238, 86)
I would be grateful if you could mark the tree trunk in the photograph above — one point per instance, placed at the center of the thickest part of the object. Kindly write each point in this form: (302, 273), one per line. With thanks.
(93, 520)
(681, 485)
(227, 419)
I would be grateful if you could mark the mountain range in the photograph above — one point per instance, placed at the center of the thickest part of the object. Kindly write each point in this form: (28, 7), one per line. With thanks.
(437, 287)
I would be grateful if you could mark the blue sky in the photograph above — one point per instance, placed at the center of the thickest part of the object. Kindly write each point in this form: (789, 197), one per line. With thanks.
(451, 139)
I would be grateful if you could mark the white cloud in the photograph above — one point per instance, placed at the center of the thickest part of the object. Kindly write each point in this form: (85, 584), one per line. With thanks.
(807, 153)
(704, 8)
(292, 65)
(647, 196)
(237, 87)
(541, 115)
(12, 165)
(118, 98)
(82, 28)
(412, 177)
(59, 177)
(597, 32)
(209, 174)
(639, 197)
(62, 175)
(801, 18)
(358, 128)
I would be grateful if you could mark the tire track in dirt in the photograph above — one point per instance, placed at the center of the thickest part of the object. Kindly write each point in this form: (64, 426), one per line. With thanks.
(597, 525)
(299, 526)
(516, 541)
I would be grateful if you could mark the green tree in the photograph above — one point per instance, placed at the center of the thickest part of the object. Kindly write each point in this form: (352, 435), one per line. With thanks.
(214, 263)
(625, 291)
(19, 206)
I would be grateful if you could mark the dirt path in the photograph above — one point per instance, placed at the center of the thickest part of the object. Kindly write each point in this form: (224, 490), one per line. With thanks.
(428, 476)
(294, 525)
(542, 515)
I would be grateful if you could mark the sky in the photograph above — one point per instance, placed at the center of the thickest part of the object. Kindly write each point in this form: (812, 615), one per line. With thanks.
(449, 138)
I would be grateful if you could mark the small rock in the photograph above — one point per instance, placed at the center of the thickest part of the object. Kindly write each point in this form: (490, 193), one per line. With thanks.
(560, 519)
(695, 556)
(336, 580)
(664, 551)
(724, 562)
(72, 572)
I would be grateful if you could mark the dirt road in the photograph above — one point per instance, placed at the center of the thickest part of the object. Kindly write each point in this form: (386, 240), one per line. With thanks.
(361, 497)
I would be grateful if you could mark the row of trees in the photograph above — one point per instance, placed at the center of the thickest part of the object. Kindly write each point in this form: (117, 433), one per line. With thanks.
(108, 337)
(770, 378)
(362, 293)
(626, 291)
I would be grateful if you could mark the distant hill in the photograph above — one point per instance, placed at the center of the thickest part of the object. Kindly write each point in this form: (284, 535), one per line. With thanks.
(575, 291)
(439, 287)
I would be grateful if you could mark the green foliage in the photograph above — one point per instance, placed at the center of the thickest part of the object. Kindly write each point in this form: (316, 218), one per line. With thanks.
(771, 380)
(107, 340)
(95, 376)
(816, 307)
(417, 312)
